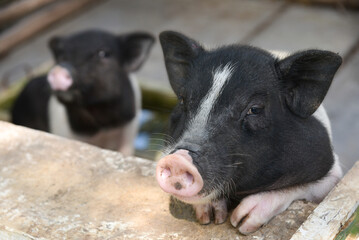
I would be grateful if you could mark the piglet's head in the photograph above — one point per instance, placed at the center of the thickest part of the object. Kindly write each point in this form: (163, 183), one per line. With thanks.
(93, 66)
(244, 119)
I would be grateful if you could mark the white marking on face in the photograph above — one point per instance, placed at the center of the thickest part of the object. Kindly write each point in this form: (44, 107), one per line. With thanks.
(220, 77)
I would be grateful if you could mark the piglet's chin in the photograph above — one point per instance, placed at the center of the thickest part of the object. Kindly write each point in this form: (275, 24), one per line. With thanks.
(198, 199)
(59, 78)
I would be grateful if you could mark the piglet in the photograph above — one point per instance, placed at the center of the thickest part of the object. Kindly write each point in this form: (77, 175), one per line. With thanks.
(91, 93)
(248, 130)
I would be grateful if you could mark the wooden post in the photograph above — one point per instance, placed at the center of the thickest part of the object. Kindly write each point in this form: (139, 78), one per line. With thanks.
(345, 3)
(39, 22)
(20, 9)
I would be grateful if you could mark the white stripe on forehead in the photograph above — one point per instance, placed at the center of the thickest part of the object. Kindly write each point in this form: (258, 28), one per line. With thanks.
(220, 77)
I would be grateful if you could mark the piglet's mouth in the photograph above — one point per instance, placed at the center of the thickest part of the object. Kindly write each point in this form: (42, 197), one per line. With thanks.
(66, 96)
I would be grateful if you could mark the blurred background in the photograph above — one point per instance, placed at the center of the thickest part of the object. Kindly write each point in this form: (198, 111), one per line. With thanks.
(27, 25)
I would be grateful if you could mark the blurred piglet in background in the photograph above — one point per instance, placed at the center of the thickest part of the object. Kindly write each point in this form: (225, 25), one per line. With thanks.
(90, 94)
(248, 130)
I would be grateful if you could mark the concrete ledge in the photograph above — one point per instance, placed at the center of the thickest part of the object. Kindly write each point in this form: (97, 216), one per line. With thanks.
(53, 188)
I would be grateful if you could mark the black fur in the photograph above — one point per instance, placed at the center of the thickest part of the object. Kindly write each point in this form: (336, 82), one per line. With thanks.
(261, 134)
(101, 95)
(32, 111)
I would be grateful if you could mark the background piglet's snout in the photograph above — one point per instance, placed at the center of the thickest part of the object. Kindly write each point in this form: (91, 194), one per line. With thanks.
(60, 78)
(253, 126)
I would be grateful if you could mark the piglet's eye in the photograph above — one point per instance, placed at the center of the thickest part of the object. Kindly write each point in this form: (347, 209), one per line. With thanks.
(103, 54)
(255, 110)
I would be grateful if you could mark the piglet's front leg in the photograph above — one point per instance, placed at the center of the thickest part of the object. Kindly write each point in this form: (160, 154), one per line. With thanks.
(217, 209)
(257, 209)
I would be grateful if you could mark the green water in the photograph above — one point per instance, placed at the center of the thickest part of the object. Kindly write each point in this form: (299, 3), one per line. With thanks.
(155, 139)
(352, 230)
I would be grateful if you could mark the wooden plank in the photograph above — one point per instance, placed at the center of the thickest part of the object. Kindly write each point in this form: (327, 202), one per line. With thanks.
(39, 22)
(335, 210)
(345, 3)
(20, 8)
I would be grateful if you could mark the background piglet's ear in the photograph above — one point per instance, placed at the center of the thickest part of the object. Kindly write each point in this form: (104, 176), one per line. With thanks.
(135, 48)
(178, 51)
(56, 45)
(307, 77)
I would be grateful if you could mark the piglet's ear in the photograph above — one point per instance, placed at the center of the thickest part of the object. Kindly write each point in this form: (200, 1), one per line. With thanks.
(135, 48)
(56, 45)
(307, 76)
(178, 51)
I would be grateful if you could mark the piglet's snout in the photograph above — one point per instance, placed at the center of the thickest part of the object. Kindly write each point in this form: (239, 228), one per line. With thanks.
(177, 175)
(59, 78)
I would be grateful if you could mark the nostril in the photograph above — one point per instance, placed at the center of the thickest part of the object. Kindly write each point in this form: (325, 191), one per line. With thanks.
(189, 179)
(178, 186)
(67, 75)
(166, 173)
